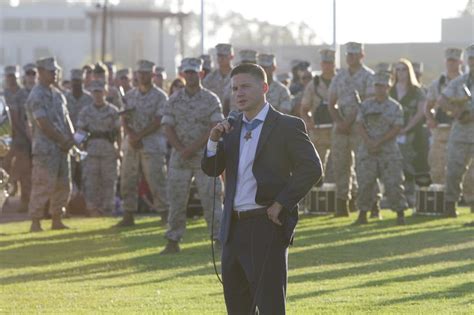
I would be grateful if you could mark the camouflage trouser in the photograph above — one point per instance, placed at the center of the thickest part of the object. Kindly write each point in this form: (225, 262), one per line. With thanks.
(51, 181)
(437, 159)
(21, 171)
(321, 138)
(179, 181)
(99, 182)
(343, 149)
(390, 172)
(153, 167)
(460, 157)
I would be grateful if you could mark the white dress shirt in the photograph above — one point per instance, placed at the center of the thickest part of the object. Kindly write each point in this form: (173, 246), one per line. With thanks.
(246, 188)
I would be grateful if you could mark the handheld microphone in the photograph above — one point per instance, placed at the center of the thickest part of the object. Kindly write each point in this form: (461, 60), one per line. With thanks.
(233, 115)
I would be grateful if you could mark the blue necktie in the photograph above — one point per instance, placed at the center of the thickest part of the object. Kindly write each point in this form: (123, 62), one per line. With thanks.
(250, 126)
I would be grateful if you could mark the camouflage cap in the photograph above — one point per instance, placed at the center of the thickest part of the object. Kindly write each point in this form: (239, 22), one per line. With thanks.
(48, 64)
(126, 72)
(383, 67)
(266, 60)
(145, 66)
(300, 64)
(470, 51)
(327, 55)
(97, 85)
(191, 64)
(206, 62)
(382, 78)
(11, 70)
(159, 70)
(248, 55)
(417, 66)
(29, 67)
(354, 48)
(77, 74)
(224, 49)
(453, 53)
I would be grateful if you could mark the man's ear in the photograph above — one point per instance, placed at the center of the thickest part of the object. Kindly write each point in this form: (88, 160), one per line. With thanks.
(265, 87)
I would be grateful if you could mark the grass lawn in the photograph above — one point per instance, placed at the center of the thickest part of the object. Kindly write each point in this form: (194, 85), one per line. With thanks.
(424, 267)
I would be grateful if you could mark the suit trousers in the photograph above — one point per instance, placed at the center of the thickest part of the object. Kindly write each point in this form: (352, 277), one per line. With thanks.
(254, 267)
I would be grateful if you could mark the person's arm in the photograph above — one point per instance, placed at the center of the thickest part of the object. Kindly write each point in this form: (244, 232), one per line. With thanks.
(389, 135)
(150, 128)
(430, 114)
(173, 138)
(306, 106)
(306, 166)
(64, 142)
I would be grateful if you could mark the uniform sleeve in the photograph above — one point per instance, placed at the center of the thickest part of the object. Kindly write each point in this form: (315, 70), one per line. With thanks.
(309, 97)
(360, 113)
(399, 121)
(160, 109)
(216, 114)
(81, 119)
(432, 93)
(369, 88)
(116, 118)
(285, 99)
(333, 86)
(37, 107)
(168, 114)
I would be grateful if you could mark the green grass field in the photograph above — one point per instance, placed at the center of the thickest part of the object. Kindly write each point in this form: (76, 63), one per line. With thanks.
(425, 267)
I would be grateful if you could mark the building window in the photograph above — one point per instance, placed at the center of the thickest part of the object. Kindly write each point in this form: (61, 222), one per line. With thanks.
(77, 25)
(11, 24)
(34, 25)
(55, 24)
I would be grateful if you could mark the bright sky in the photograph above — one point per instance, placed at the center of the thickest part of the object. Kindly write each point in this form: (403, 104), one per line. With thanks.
(368, 21)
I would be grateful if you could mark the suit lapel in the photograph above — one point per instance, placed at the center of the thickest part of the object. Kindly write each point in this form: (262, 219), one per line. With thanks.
(268, 124)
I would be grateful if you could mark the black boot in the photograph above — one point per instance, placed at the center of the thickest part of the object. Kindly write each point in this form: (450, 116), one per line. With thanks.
(36, 226)
(172, 247)
(341, 208)
(400, 218)
(375, 211)
(57, 224)
(450, 209)
(362, 219)
(164, 217)
(127, 220)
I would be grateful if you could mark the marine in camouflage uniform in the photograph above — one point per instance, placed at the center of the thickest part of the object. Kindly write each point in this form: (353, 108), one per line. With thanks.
(278, 95)
(345, 90)
(101, 121)
(218, 81)
(77, 100)
(379, 121)
(189, 116)
(18, 160)
(22, 163)
(314, 111)
(100, 72)
(142, 148)
(440, 122)
(460, 148)
(51, 141)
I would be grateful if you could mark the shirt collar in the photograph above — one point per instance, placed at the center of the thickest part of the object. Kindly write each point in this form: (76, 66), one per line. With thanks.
(261, 115)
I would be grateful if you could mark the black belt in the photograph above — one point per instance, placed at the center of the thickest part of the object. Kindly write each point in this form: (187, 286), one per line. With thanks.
(242, 215)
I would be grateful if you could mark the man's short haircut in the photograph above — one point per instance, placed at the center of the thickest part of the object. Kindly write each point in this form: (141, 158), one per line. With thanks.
(254, 70)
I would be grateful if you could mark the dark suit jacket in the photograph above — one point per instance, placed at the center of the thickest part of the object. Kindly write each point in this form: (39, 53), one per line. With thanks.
(286, 166)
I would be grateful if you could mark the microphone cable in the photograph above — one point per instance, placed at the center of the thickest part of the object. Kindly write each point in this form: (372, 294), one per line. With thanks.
(212, 218)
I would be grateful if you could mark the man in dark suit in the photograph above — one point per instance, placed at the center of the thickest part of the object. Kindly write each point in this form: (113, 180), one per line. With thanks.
(270, 165)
